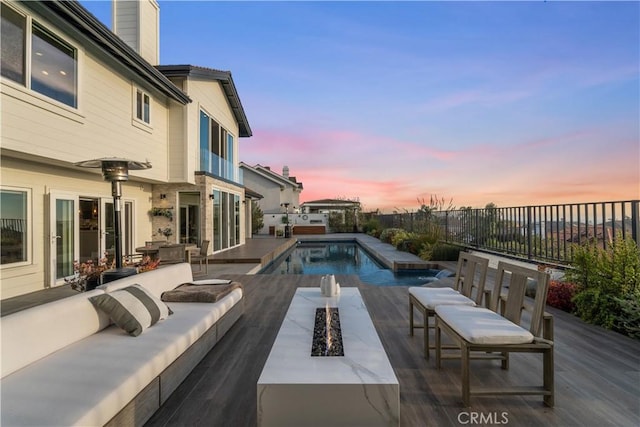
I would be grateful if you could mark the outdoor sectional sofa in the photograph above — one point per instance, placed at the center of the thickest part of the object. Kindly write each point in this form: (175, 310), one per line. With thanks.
(64, 363)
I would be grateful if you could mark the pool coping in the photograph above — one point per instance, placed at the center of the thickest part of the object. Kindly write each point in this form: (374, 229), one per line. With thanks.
(384, 253)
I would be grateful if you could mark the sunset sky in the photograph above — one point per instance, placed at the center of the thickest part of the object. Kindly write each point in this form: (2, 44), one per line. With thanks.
(391, 102)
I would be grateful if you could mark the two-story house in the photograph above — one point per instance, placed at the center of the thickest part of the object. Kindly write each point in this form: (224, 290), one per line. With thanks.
(280, 193)
(73, 90)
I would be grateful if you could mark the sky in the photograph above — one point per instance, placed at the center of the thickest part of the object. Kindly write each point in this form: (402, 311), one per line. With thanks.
(390, 103)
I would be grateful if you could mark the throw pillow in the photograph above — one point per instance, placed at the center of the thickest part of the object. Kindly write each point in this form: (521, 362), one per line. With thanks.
(133, 308)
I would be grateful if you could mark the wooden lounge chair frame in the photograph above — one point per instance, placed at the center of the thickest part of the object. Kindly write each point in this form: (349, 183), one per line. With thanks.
(464, 283)
(511, 307)
(203, 255)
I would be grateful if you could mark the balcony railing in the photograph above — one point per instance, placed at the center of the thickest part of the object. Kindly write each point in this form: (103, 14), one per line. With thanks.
(544, 232)
(219, 167)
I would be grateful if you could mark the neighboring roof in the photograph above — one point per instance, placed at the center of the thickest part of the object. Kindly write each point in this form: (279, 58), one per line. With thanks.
(330, 202)
(73, 14)
(225, 79)
(252, 194)
(267, 173)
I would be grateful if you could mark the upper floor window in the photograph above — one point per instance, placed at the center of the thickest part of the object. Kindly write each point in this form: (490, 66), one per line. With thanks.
(52, 62)
(142, 106)
(13, 225)
(13, 44)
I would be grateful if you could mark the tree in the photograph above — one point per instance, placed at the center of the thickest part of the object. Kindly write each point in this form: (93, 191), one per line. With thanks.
(257, 218)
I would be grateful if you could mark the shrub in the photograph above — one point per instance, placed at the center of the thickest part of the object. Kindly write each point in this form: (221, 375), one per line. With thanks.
(372, 226)
(597, 307)
(561, 295)
(628, 322)
(444, 252)
(388, 234)
(609, 281)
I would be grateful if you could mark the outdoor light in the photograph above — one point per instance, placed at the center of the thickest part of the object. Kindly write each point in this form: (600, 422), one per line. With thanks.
(212, 196)
(163, 196)
(115, 170)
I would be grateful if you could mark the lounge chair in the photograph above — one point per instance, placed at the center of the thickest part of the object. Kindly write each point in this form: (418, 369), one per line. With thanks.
(202, 256)
(425, 299)
(497, 331)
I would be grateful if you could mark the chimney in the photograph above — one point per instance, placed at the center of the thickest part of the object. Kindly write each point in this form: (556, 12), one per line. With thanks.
(285, 172)
(137, 23)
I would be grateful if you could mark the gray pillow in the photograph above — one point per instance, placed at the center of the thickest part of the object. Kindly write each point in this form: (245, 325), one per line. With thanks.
(133, 308)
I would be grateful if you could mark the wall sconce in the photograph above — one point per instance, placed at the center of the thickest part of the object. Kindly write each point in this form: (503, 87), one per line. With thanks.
(163, 196)
(212, 196)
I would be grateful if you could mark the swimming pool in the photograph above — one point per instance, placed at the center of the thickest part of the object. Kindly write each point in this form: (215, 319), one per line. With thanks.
(343, 258)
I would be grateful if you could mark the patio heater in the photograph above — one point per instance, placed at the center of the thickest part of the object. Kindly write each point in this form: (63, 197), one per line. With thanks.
(287, 228)
(116, 171)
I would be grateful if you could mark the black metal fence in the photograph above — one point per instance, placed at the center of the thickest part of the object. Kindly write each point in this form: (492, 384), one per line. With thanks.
(543, 232)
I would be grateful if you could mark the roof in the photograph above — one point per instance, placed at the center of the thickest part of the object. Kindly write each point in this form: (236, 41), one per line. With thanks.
(252, 194)
(225, 79)
(267, 173)
(329, 202)
(72, 16)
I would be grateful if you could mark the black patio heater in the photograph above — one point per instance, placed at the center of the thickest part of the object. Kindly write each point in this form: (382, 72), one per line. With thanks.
(116, 171)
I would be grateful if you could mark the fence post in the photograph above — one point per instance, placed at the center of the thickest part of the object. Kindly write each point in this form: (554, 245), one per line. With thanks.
(446, 226)
(635, 221)
(529, 237)
(477, 228)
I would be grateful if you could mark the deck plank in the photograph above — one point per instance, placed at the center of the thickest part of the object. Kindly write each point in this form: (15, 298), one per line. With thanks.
(597, 371)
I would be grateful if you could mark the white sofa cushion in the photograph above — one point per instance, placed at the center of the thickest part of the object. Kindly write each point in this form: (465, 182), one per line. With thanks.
(479, 325)
(432, 297)
(156, 281)
(133, 308)
(34, 333)
(90, 381)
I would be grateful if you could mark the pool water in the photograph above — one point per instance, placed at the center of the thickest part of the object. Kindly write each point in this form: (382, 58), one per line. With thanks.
(343, 258)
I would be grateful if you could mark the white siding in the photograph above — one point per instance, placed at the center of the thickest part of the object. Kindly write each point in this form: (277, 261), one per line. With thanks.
(101, 127)
(42, 179)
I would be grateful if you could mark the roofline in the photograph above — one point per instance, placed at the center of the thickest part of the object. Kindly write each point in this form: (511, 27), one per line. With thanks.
(74, 14)
(272, 176)
(228, 86)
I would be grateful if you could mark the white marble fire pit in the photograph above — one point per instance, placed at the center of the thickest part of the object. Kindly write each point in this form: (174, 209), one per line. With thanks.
(297, 389)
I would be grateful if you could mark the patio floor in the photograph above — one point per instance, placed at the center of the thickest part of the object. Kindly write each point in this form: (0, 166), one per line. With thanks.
(597, 372)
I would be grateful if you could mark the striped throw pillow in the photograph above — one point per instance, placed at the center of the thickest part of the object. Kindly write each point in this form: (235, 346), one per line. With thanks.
(133, 308)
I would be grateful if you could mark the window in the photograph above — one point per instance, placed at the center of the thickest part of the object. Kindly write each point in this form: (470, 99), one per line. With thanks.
(13, 226)
(53, 67)
(13, 44)
(53, 63)
(216, 149)
(142, 106)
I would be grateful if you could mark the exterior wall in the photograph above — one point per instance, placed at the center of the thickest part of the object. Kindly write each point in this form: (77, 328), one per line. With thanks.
(269, 190)
(182, 152)
(102, 126)
(137, 23)
(273, 194)
(41, 180)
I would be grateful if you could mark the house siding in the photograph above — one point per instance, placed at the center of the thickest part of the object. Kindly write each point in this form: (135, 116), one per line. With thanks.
(41, 180)
(101, 127)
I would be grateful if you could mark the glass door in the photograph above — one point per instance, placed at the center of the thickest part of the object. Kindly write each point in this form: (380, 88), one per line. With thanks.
(107, 228)
(63, 235)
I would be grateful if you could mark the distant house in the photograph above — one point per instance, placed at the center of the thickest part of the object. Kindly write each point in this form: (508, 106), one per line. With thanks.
(329, 205)
(276, 189)
(73, 90)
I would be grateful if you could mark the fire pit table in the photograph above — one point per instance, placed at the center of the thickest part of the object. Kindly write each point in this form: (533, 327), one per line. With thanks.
(358, 388)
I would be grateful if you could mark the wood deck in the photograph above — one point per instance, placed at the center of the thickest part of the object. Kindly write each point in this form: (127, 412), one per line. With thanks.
(597, 371)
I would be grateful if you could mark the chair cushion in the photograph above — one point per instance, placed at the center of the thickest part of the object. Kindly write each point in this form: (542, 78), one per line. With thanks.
(479, 325)
(432, 297)
(133, 308)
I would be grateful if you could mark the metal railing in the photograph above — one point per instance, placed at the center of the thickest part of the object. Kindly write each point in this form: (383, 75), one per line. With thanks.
(219, 167)
(542, 232)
